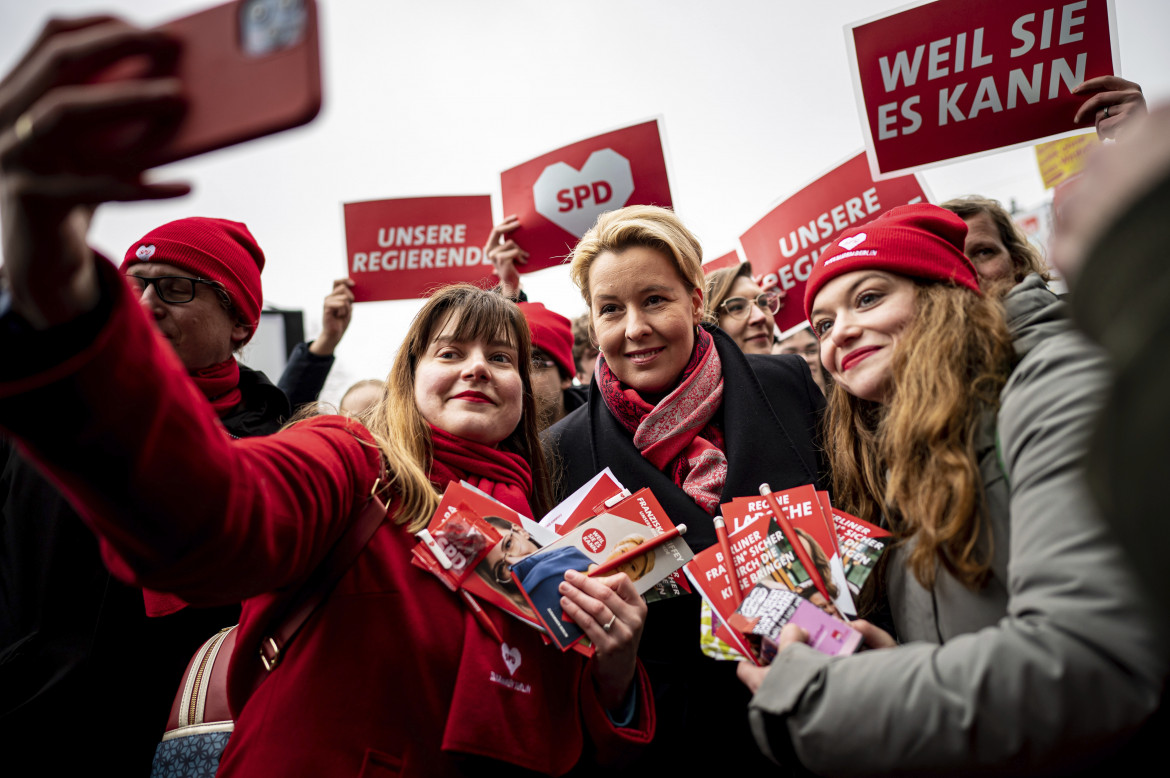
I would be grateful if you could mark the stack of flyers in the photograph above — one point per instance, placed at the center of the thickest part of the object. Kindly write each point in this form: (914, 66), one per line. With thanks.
(862, 545)
(760, 552)
(805, 511)
(474, 544)
(602, 541)
(594, 497)
(769, 606)
(485, 574)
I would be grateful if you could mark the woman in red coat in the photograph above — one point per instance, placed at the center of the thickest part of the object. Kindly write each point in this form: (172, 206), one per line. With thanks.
(392, 674)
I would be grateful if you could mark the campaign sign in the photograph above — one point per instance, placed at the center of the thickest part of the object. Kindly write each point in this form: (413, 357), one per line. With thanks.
(558, 196)
(784, 245)
(408, 247)
(954, 78)
(730, 259)
(1059, 160)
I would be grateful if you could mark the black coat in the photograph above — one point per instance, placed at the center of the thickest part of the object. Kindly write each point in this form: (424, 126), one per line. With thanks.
(86, 679)
(769, 417)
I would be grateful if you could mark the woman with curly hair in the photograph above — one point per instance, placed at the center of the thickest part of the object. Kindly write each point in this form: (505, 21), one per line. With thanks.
(959, 422)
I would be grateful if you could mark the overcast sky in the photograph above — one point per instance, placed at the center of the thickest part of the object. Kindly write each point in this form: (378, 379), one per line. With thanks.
(438, 97)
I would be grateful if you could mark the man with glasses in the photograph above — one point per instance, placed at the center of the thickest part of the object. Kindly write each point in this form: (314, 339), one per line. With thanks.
(70, 634)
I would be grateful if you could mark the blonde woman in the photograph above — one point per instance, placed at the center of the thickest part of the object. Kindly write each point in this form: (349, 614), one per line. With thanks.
(678, 407)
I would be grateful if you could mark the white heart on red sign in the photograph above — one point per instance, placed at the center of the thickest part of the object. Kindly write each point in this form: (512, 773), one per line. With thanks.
(851, 243)
(145, 252)
(573, 199)
(511, 657)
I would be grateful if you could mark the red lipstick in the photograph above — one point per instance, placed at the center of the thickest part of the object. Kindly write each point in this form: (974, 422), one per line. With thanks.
(855, 356)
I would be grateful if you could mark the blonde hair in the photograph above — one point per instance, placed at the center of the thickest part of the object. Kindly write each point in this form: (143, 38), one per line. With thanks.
(1025, 256)
(913, 459)
(638, 225)
(399, 428)
(719, 285)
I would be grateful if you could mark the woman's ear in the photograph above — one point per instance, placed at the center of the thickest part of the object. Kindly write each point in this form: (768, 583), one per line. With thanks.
(697, 304)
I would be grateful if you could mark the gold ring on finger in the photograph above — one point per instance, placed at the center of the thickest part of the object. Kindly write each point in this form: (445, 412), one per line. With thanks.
(23, 127)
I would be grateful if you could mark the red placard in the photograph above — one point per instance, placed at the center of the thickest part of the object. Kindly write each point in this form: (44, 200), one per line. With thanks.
(730, 259)
(784, 245)
(955, 78)
(408, 247)
(558, 196)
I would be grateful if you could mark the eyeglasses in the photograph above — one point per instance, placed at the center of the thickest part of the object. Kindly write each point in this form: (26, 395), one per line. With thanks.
(740, 307)
(175, 290)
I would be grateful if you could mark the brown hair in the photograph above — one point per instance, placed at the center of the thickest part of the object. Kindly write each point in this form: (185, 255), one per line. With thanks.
(638, 225)
(719, 285)
(1026, 257)
(913, 459)
(399, 428)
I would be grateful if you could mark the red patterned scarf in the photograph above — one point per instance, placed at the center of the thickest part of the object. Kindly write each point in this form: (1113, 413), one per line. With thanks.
(506, 477)
(220, 384)
(677, 435)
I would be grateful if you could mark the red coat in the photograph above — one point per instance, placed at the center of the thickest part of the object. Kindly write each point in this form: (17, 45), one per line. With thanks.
(392, 673)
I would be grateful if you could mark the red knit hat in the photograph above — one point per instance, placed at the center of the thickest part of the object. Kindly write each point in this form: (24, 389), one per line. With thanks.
(215, 249)
(551, 333)
(920, 241)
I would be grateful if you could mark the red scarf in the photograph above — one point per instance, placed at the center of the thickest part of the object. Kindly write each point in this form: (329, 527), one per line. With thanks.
(505, 476)
(677, 435)
(220, 384)
(501, 707)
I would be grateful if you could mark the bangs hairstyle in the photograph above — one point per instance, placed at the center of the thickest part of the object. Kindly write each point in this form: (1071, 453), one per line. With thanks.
(1026, 258)
(399, 428)
(719, 285)
(913, 459)
(647, 226)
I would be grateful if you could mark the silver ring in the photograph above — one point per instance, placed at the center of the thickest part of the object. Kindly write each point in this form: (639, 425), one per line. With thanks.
(1106, 112)
(23, 127)
(609, 624)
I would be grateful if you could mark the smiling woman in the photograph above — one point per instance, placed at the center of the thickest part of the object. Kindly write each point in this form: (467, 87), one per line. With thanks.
(679, 408)
(393, 673)
(744, 310)
(960, 424)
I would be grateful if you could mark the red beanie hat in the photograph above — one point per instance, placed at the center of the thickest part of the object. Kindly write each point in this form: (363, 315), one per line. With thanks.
(919, 241)
(214, 249)
(551, 333)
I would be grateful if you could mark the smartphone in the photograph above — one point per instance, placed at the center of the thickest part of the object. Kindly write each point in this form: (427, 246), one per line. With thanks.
(249, 68)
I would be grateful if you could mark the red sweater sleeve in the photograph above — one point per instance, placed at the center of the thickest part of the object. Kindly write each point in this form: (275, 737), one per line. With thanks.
(180, 506)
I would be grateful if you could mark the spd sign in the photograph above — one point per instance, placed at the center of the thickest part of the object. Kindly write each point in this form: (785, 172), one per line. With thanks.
(558, 196)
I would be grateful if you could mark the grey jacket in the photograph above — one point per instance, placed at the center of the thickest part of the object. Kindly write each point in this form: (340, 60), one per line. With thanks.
(1043, 668)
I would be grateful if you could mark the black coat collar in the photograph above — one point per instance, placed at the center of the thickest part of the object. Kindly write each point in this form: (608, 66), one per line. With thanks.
(761, 444)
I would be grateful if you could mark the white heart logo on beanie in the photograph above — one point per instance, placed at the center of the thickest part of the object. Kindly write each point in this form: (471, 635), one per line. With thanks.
(145, 252)
(511, 657)
(851, 243)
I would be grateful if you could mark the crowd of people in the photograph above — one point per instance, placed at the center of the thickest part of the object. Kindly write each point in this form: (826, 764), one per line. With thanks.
(154, 490)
